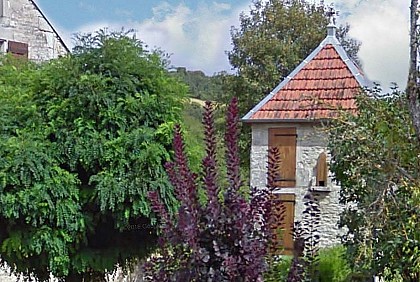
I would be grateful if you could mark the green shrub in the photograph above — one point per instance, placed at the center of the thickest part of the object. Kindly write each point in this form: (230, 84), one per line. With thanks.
(278, 269)
(333, 266)
(392, 275)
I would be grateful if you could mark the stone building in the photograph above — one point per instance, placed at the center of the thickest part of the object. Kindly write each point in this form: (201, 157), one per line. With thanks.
(26, 32)
(290, 118)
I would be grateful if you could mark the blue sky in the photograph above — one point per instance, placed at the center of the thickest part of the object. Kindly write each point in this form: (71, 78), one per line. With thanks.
(70, 13)
(196, 33)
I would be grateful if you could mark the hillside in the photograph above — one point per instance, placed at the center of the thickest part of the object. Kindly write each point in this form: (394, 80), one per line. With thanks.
(201, 87)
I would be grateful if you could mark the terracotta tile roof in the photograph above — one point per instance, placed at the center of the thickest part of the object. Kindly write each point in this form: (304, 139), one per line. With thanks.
(326, 81)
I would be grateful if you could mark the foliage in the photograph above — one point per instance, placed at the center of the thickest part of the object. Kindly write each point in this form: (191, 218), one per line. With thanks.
(200, 86)
(193, 128)
(376, 161)
(278, 269)
(392, 275)
(40, 213)
(333, 265)
(352, 46)
(270, 42)
(216, 241)
(83, 140)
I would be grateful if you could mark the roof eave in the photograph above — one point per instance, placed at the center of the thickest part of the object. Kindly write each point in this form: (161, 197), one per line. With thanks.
(276, 120)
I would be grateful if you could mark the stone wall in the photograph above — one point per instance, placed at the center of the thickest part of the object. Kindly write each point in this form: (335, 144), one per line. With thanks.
(311, 142)
(21, 21)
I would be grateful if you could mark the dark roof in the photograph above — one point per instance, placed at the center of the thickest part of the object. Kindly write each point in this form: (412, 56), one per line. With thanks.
(52, 27)
(325, 81)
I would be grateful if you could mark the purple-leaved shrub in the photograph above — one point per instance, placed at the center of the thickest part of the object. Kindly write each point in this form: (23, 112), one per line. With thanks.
(229, 237)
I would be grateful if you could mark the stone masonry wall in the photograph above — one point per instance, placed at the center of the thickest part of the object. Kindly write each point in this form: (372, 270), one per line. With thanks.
(311, 142)
(20, 21)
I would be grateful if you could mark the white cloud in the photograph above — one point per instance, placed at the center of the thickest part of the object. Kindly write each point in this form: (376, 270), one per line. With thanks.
(382, 27)
(196, 38)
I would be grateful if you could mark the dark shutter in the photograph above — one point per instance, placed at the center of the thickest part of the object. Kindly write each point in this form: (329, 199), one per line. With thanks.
(18, 49)
(321, 170)
(285, 140)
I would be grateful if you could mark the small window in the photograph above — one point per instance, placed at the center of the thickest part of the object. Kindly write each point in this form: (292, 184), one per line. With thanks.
(1, 8)
(322, 170)
(18, 49)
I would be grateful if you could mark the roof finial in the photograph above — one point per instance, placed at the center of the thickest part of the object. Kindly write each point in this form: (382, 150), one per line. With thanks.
(332, 14)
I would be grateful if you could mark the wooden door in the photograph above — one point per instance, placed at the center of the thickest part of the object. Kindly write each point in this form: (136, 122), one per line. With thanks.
(285, 140)
(284, 213)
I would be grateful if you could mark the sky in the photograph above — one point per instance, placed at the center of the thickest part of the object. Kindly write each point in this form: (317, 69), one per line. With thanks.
(196, 33)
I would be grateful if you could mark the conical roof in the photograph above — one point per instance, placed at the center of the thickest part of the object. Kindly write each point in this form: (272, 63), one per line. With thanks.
(327, 80)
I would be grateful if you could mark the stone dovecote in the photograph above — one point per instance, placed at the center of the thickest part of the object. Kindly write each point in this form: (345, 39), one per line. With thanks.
(290, 117)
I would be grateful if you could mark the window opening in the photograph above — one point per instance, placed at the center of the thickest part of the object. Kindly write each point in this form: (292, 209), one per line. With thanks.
(18, 49)
(321, 170)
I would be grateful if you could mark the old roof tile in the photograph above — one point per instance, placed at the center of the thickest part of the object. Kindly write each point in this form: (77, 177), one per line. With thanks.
(321, 85)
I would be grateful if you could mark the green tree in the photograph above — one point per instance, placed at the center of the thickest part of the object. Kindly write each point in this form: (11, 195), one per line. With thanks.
(200, 86)
(84, 139)
(376, 161)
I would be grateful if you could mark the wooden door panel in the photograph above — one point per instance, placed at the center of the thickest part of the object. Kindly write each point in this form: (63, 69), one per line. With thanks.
(285, 140)
(285, 203)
